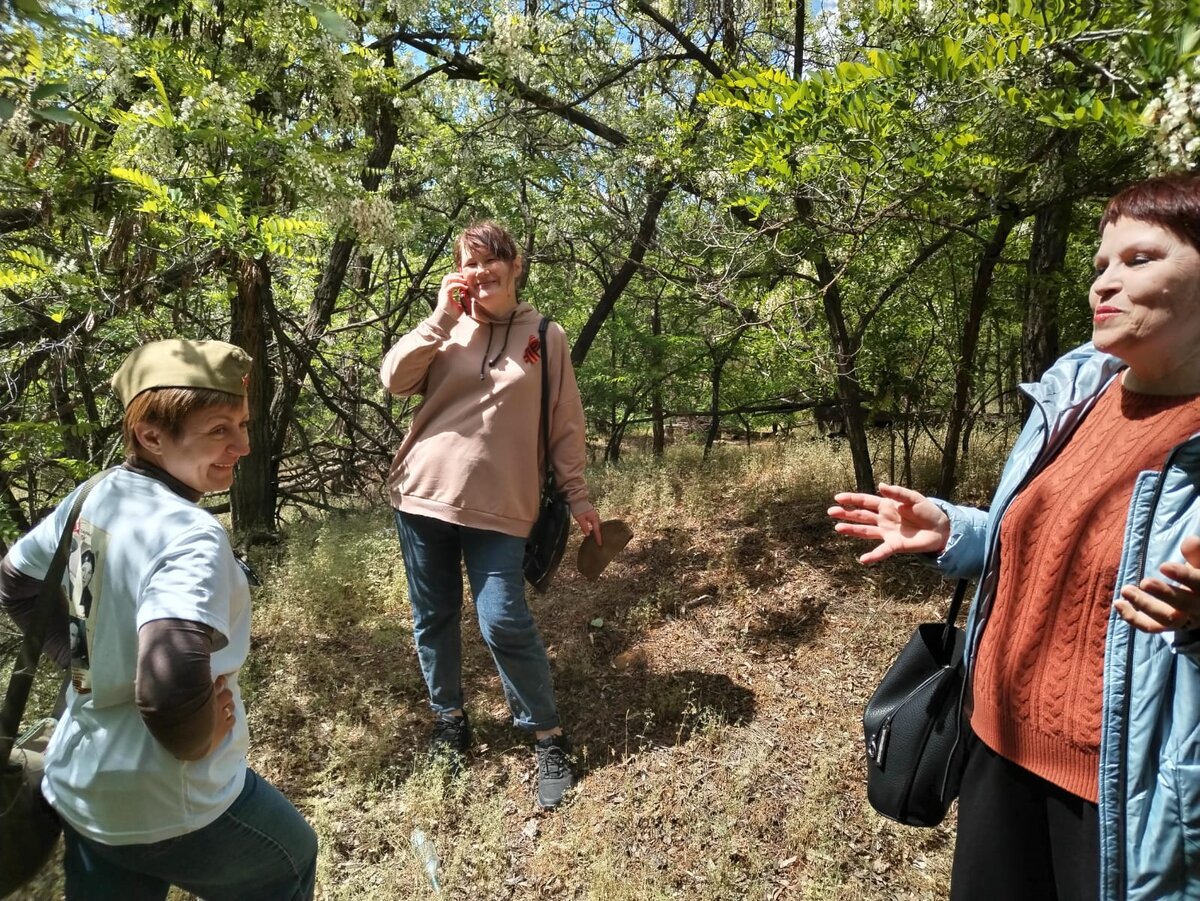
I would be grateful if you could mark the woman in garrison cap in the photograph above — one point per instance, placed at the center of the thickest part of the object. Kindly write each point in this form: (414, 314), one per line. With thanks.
(147, 767)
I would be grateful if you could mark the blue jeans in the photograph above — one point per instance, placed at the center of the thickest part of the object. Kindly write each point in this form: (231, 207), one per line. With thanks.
(433, 555)
(261, 848)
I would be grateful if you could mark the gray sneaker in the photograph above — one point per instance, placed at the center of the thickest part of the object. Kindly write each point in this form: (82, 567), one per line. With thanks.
(555, 775)
(451, 735)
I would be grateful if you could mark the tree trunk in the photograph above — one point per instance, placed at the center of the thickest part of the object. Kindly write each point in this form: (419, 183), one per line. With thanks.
(801, 8)
(1043, 288)
(845, 350)
(714, 421)
(60, 395)
(657, 425)
(333, 275)
(980, 288)
(1047, 253)
(253, 496)
(624, 275)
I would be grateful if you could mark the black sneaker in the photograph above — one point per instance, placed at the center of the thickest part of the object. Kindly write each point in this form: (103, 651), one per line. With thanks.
(451, 735)
(555, 775)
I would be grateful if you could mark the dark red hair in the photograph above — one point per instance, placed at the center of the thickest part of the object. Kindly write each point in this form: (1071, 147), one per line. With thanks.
(1169, 201)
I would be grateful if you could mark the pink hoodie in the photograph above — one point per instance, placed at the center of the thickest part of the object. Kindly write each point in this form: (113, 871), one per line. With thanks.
(473, 454)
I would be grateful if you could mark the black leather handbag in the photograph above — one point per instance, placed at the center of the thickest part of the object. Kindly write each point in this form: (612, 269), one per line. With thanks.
(548, 539)
(29, 827)
(912, 725)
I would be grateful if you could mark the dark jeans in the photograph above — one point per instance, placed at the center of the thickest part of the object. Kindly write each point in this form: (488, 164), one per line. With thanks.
(260, 849)
(434, 552)
(1021, 838)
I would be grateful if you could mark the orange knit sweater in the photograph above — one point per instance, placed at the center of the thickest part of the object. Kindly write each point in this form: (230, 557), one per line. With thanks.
(1038, 677)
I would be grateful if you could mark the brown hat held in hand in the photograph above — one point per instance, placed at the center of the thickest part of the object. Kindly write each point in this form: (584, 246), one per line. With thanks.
(180, 363)
(593, 558)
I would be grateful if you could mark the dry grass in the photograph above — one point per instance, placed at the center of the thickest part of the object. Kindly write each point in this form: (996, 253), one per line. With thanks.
(712, 682)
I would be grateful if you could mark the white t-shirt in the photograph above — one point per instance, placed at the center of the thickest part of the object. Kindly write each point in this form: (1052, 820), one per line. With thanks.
(140, 552)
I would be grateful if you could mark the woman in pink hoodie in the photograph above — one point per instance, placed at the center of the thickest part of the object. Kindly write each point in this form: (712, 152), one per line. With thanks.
(466, 482)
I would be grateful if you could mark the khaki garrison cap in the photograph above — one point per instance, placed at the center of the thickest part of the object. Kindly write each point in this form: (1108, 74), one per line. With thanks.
(179, 363)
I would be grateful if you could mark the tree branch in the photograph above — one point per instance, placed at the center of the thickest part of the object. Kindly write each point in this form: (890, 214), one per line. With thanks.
(19, 219)
(459, 65)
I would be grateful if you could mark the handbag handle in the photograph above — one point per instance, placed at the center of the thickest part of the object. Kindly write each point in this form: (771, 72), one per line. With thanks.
(26, 667)
(543, 326)
(960, 592)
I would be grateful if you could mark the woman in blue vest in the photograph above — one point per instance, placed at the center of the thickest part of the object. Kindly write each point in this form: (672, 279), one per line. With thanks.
(1083, 643)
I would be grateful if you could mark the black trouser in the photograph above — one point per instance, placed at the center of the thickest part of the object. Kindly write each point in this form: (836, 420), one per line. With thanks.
(1020, 838)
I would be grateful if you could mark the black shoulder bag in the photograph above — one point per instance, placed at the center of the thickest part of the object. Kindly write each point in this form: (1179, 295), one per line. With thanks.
(29, 827)
(915, 742)
(548, 539)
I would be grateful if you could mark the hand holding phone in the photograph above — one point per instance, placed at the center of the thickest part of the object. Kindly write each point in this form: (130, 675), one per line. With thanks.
(454, 295)
(462, 297)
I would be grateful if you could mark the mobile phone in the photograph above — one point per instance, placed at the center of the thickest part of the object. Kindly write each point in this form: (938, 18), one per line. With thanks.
(463, 299)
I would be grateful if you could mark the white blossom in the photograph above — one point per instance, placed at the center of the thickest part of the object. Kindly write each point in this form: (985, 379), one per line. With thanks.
(1175, 120)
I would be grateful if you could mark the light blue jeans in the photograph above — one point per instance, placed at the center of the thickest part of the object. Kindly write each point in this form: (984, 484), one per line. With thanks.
(434, 552)
(260, 849)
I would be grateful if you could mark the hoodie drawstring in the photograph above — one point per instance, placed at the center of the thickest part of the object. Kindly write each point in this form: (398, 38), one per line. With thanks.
(490, 364)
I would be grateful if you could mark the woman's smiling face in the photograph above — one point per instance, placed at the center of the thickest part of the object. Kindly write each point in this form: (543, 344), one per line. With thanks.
(493, 281)
(202, 455)
(1145, 299)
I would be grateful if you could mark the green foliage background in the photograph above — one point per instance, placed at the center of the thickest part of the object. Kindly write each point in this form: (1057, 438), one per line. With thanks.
(737, 212)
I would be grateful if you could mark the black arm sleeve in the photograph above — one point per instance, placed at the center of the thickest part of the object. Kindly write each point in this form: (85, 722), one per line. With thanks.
(173, 688)
(18, 595)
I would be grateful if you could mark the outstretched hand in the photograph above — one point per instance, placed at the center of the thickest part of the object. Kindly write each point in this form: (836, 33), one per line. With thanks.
(901, 520)
(1168, 603)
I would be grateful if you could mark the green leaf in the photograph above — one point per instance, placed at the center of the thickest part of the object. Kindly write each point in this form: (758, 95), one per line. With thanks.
(147, 183)
(952, 49)
(31, 257)
(55, 114)
(165, 116)
(277, 225)
(337, 27)
(33, 9)
(597, 623)
(11, 278)
(63, 115)
(49, 89)
(7, 108)
(1189, 42)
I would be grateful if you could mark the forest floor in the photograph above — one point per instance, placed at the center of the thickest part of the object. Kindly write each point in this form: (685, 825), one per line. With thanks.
(711, 680)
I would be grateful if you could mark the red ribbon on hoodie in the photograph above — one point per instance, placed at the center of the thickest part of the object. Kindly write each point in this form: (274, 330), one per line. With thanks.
(533, 350)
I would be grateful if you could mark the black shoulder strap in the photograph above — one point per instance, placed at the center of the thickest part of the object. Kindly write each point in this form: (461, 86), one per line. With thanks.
(543, 327)
(960, 592)
(31, 648)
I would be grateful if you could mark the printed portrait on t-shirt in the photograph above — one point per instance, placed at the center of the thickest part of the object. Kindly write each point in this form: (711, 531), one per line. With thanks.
(84, 578)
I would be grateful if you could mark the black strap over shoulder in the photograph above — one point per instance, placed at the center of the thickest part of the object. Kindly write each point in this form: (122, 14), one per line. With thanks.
(543, 327)
(31, 648)
(960, 592)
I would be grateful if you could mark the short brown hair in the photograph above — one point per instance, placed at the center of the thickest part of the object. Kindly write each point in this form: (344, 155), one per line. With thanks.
(168, 409)
(1169, 201)
(488, 237)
